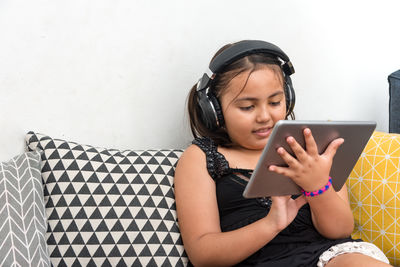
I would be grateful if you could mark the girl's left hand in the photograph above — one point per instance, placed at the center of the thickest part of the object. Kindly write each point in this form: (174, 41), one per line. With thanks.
(284, 209)
(308, 169)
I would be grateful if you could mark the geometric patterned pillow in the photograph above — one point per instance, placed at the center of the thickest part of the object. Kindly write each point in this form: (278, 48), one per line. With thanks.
(108, 207)
(22, 213)
(374, 194)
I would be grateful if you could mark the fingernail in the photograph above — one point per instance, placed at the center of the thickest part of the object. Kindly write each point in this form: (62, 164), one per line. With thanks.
(271, 168)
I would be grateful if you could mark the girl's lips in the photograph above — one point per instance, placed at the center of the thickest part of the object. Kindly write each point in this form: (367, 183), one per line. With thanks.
(264, 132)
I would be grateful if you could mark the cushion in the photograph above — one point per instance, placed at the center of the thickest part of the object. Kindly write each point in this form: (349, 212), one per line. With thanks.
(374, 193)
(109, 207)
(22, 213)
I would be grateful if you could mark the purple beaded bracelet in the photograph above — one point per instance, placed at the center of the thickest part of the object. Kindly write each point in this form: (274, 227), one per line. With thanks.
(318, 192)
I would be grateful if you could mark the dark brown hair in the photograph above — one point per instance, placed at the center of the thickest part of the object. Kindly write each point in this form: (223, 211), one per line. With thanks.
(220, 82)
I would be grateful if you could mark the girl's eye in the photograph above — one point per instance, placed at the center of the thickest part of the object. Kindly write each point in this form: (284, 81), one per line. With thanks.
(275, 103)
(247, 108)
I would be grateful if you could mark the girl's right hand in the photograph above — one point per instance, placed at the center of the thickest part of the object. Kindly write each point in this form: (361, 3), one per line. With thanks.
(307, 168)
(284, 209)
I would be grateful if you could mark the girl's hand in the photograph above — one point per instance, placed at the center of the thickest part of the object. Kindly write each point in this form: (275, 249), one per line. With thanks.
(284, 209)
(308, 169)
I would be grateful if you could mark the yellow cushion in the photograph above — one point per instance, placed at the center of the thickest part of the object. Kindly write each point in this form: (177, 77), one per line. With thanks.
(374, 193)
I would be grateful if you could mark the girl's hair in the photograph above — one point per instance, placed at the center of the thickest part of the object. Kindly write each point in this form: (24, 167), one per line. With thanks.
(220, 82)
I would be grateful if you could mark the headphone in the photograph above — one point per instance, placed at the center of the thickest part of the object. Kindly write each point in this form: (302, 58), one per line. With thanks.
(208, 105)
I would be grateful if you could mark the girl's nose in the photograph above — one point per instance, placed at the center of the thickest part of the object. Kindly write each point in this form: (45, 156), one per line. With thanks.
(263, 115)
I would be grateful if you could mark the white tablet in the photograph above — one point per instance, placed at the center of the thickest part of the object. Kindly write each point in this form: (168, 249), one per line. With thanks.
(264, 183)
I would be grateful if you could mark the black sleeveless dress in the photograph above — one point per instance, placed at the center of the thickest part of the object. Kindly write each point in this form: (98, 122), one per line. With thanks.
(299, 244)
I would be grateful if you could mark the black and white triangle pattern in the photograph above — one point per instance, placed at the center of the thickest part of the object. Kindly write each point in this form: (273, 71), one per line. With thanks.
(109, 207)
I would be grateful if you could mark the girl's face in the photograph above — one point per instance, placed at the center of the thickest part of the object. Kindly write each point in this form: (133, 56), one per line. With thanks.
(251, 112)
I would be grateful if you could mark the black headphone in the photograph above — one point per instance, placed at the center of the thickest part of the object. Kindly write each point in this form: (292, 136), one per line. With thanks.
(208, 104)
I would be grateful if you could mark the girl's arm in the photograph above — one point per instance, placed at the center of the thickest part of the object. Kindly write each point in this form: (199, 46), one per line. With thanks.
(331, 213)
(199, 222)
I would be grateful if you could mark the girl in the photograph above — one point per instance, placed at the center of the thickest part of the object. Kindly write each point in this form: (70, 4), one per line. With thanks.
(232, 112)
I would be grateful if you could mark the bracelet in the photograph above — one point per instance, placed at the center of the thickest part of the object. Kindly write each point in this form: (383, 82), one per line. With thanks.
(318, 192)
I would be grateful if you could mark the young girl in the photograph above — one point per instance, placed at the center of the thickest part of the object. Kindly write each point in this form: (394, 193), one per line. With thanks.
(232, 112)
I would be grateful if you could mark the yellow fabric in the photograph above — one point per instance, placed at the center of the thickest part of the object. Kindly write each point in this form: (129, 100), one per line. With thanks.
(374, 194)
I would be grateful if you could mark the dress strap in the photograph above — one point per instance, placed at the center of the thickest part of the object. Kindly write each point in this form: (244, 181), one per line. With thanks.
(217, 165)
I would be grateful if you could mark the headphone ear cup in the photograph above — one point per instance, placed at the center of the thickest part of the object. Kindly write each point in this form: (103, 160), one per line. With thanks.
(218, 110)
(209, 110)
(289, 95)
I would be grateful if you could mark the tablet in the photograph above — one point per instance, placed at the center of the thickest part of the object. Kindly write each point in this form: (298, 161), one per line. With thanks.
(264, 183)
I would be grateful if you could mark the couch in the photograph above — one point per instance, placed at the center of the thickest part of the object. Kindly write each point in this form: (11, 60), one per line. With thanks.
(70, 204)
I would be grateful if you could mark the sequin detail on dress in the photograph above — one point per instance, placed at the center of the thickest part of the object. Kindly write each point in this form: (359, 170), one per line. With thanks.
(217, 165)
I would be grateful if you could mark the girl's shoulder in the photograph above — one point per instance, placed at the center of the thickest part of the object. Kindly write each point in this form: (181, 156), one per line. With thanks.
(190, 166)
(192, 156)
(203, 152)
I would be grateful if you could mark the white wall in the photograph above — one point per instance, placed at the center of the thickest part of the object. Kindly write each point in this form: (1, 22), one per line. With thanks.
(115, 73)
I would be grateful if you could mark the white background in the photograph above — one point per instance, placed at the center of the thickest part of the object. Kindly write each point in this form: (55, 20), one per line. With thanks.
(116, 73)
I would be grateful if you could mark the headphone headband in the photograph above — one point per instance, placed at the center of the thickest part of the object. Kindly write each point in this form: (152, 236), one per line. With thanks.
(248, 47)
(242, 49)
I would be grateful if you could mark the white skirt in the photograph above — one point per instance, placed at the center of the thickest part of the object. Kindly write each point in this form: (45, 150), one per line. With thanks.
(365, 248)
